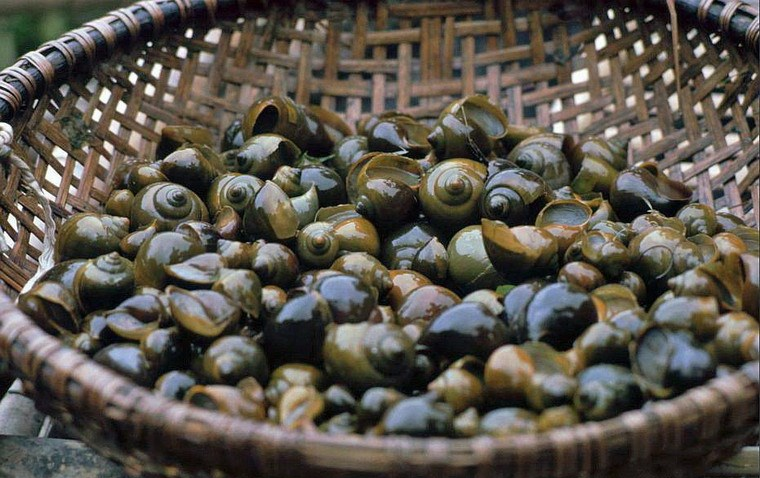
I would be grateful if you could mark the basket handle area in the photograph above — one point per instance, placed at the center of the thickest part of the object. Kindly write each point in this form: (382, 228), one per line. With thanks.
(78, 50)
(8, 157)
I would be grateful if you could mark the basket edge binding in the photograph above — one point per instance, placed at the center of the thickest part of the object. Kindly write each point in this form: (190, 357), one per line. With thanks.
(140, 420)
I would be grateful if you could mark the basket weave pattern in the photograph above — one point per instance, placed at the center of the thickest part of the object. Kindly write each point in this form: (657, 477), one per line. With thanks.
(581, 67)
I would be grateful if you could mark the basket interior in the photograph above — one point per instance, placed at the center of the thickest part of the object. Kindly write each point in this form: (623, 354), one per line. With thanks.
(583, 70)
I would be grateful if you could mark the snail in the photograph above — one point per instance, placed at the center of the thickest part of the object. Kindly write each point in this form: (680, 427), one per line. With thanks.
(233, 135)
(450, 193)
(297, 332)
(306, 126)
(508, 421)
(425, 303)
(119, 203)
(141, 175)
(243, 287)
(543, 154)
(230, 359)
(104, 282)
(469, 266)
(245, 400)
(190, 168)
(399, 134)
(520, 252)
(603, 251)
(320, 243)
(89, 235)
(197, 272)
(162, 249)
(168, 204)
(128, 360)
(367, 268)
(698, 219)
(232, 189)
(641, 188)
(350, 298)
(270, 215)
(565, 219)
(468, 128)
(130, 244)
(418, 417)
(330, 187)
(605, 391)
(52, 306)
(450, 336)
(514, 196)
(347, 151)
(291, 375)
(262, 155)
(275, 264)
(367, 355)
(385, 189)
(203, 314)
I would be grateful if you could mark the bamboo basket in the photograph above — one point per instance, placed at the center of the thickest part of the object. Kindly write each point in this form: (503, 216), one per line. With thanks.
(99, 95)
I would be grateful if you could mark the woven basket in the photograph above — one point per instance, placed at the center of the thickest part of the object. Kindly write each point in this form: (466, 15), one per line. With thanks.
(83, 104)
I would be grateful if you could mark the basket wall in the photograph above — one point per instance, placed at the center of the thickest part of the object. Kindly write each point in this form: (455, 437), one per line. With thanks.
(581, 67)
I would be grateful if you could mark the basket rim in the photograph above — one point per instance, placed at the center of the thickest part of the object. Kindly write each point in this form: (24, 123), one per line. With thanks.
(50, 366)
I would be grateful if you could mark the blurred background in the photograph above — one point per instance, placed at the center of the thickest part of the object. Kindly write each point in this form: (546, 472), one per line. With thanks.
(25, 24)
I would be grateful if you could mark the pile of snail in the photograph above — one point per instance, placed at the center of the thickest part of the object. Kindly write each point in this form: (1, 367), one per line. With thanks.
(473, 277)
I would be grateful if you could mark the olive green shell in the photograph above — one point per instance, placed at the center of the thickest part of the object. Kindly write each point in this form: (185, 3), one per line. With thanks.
(104, 282)
(270, 215)
(468, 264)
(174, 136)
(232, 189)
(543, 154)
(638, 189)
(262, 155)
(469, 127)
(450, 193)
(165, 248)
(399, 134)
(520, 252)
(514, 196)
(168, 204)
(367, 355)
(89, 235)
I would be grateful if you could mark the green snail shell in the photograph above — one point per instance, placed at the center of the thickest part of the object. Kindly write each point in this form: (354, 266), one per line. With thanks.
(232, 189)
(270, 216)
(450, 193)
(469, 266)
(367, 355)
(543, 155)
(104, 282)
(514, 196)
(262, 155)
(318, 245)
(306, 206)
(520, 252)
(89, 235)
(167, 203)
(468, 128)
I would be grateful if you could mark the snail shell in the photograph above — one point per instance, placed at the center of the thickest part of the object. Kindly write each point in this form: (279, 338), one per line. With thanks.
(514, 196)
(399, 134)
(131, 243)
(468, 264)
(450, 193)
(232, 189)
(275, 264)
(51, 306)
(164, 248)
(190, 168)
(543, 154)
(168, 204)
(519, 252)
(468, 128)
(262, 155)
(104, 282)
(174, 136)
(306, 206)
(367, 355)
(318, 245)
(230, 359)
(638, 189)
(270, 216)
(203, 314)
(119, 203)
(89, 235)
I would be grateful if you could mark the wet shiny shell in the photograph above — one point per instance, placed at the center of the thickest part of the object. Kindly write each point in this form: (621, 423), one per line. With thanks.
(104, 282)
(520, 252)
(543, 155)
(468, 328)
(297, 332)
(368, 355)
(168, 204)
(450, 193)
(160, 250)
(262, 155)
(605, 391)
(89, 235)
(638, 189)
(230, 359)
(469, 266)
(203, 314)
(232, 189)
(514, 196)
(425, 303)
(52, 306)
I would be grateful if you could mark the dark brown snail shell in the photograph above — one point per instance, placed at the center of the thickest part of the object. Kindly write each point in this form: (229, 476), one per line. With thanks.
(128, 360)
(418, 417)
(230, 359)
(297, 332)
(504, 422)
(367, 268)
(605, 391)
(141, 175)
(190, 168)
(469, 266)
(270, 215)
(425, 303)
(275, 264)
(119, 203)
(582, 274)
(451, 336)
(52, 306)
(638, 189)
(262, 155)
(520, 252)
(350, 298)
(232, 189)
(347, 152)
(399, 134)
(281, 115)
(402, 283)
(203, 314)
